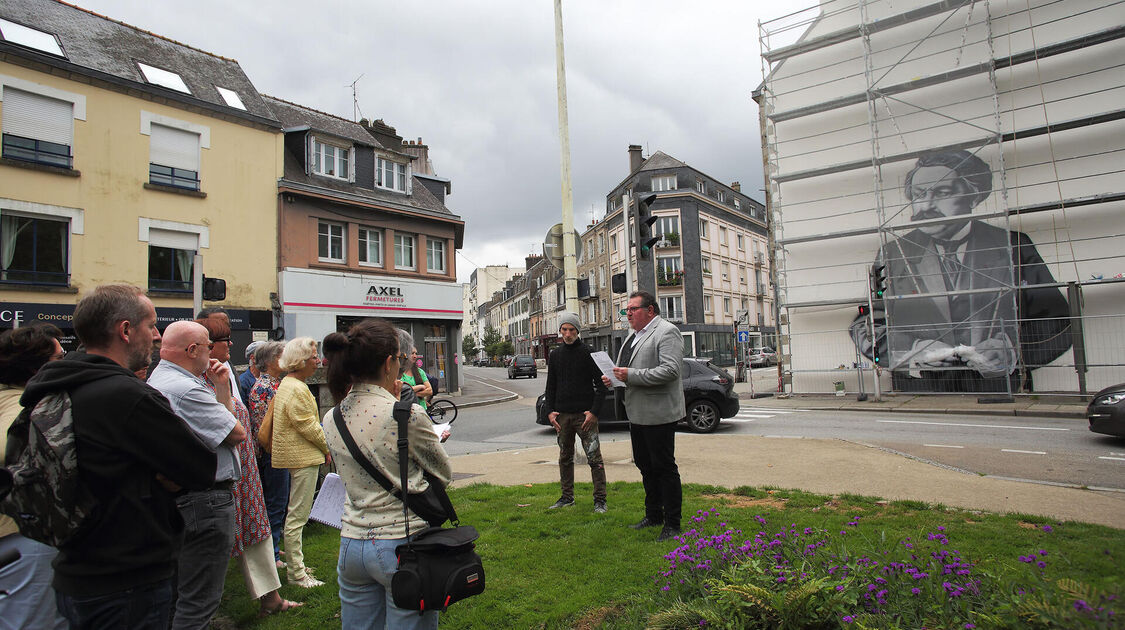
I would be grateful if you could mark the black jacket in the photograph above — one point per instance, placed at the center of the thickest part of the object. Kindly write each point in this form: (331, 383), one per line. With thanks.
(126, 433)
(574, 382)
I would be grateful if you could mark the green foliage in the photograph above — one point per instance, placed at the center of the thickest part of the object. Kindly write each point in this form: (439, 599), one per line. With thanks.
(468, 347)
(491, 342)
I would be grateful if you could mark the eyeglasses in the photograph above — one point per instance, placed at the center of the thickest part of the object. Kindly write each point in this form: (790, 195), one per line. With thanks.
(223, 340)
(403, 357)
(630, 309)
(210, 346)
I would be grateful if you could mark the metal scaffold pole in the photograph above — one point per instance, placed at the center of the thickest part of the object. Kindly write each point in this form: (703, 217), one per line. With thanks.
(570, 264)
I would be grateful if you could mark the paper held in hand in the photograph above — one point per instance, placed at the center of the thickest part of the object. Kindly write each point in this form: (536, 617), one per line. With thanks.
(605, 364)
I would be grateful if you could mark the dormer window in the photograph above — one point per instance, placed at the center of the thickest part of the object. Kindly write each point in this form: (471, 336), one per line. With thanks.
(331, 160)
(30, 38)
(230, 97)
(391, 175)
(163, 78)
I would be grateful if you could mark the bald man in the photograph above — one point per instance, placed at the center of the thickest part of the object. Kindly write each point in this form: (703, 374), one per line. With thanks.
(208, 514)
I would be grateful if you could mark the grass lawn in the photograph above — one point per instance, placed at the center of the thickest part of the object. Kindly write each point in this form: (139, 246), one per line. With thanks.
(571, 568)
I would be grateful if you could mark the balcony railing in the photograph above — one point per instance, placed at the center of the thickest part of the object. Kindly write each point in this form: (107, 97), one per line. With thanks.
(669, 279)
(36, 151)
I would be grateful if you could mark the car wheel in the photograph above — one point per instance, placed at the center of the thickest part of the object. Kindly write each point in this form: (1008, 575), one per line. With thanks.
(702, 416)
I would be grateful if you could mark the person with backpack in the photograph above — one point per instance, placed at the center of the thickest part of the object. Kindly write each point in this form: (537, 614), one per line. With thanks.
(26, 597)
(115, 568)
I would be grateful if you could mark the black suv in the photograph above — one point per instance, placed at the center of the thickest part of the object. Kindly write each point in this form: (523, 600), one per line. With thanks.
(708, 393)
(523, 365)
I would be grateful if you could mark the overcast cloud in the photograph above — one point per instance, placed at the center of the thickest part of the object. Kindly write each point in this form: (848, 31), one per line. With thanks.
(476, 81)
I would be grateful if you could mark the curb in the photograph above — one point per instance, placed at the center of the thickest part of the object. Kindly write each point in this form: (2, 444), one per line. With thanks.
(490, 401)
(967, 412)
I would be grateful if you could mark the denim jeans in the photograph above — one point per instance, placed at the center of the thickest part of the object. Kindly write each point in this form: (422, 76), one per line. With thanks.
(141, 608)
(26, 597)
(208, 538)
(364, 574)
(275, 487)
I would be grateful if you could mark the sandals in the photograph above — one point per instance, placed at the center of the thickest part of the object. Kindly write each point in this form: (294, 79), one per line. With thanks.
(284, 606)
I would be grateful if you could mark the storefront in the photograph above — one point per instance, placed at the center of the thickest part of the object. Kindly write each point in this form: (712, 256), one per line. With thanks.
(315, 303)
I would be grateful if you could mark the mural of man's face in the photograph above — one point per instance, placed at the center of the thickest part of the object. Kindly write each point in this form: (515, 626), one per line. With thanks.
(938, 191)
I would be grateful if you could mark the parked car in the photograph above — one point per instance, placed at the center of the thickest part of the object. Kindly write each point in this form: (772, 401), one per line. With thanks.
(762, 357)
(523, 365)
(709, 396)
(1106, 411)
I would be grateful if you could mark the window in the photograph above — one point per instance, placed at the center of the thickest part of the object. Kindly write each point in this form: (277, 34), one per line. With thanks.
(170, 269)
(330, 242)
(37, 128)
(722, 235)
(605, 311)
(706, 303)
(390, 175)
(34, 250)
(672, 307)
(704, 229)
(668, 271)
(706, 264)
(173, 157)
(601, 276)
(741, 241)
(163, 78)
(726, 270)
(737, 204)
(30, 38)
(230, 97)
(663, 182)
(370, 247)
(404, 252)
(435, 255)
(720, 195)
(666, 226)
(330, 160)
(742, 274)
(601, 243)
(613, 242)
(726, 305)
(700, 186)
(745, 302)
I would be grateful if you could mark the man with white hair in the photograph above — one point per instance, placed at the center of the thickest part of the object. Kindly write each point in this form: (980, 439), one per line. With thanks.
(247, 379)
(208, 514)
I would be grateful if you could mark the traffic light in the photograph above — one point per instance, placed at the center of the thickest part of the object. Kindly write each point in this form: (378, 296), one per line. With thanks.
(878, 280)
(214, 289)
(864, 310)
(618, 283)
(645, 219)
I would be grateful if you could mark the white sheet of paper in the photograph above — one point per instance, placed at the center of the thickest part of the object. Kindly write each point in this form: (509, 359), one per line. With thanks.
(441, 428)
(605, 364)
(328, 508)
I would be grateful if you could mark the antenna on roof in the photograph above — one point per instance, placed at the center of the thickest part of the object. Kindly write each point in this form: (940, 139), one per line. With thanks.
(355, 101)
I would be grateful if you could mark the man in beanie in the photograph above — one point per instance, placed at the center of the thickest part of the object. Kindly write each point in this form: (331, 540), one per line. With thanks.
(573, 401)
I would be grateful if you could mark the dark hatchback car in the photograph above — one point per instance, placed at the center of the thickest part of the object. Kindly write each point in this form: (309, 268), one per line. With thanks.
(523, 365)
(1106, 411)
(709, 396)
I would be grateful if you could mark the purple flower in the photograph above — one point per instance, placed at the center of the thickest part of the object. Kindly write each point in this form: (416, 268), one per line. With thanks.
(969, 625)
(915, 590)
(1041, 564)
(1048, 528)
(1042, 552)
(840, 587)
(847, 619)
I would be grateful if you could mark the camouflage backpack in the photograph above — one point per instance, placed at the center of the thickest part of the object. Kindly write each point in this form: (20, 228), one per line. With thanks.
(48, 500)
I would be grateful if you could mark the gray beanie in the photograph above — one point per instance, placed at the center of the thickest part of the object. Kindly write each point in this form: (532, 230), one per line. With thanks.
(566, 317)
(252, 347)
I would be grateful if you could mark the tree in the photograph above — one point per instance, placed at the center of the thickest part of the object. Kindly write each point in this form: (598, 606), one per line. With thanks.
(468, 346)
(492, 342)
(505, 348)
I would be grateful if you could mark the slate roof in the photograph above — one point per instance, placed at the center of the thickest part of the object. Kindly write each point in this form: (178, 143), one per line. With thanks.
(294, 116)
(107, 49)
(660, 160)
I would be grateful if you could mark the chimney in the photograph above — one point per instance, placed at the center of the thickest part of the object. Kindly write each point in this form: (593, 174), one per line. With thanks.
(635, 158)
(737, 187)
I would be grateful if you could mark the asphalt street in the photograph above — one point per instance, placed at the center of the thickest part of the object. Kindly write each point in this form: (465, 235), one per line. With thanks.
(1049, 450)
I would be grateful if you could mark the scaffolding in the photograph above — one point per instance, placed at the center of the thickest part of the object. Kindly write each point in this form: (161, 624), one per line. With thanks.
(970, 150)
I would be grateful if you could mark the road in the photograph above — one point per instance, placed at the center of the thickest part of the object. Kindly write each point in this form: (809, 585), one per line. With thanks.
(1051, 450)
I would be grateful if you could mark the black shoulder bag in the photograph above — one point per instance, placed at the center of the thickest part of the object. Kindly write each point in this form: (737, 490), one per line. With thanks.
(438, 566)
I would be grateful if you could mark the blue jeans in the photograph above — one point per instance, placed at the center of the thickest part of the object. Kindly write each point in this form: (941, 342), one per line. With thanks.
(275, 487)
(144, 607)
(364, 574)
(26, 597)
(202, 570)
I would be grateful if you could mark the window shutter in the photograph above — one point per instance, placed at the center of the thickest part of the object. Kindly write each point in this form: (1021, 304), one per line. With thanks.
(38, 117)
(175, 240)
(174, 147)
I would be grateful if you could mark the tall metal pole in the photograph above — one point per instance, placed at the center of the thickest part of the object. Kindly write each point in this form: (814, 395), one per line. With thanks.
(570, 264)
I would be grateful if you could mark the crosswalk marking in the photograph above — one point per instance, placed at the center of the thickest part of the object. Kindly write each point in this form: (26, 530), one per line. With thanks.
(751, 414)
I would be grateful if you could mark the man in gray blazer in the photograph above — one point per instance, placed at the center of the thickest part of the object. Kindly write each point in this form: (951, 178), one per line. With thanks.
(653, 402)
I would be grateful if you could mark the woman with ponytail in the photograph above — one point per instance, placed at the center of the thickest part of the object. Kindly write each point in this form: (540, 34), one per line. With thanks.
(364, 368)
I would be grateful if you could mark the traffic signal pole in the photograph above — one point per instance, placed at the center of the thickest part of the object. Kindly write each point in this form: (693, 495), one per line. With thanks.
(874, 286)
(570, 263)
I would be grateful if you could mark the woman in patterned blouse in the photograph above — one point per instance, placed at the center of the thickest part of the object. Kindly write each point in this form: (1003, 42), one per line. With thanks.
(251, 524)
(275, 481)
(363, 375)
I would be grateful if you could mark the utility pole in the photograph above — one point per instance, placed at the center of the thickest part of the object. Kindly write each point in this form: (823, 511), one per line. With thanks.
(570, 264)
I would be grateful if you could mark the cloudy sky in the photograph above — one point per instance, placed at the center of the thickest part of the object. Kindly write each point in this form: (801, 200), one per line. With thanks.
(476, 81)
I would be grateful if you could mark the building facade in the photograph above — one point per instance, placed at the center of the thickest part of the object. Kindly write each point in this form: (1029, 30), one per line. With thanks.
(362, 235)
(125, 160)
(483, 282)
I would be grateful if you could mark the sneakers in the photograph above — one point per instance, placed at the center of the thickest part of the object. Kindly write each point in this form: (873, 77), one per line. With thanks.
(307, 582)
(646, 522)
(599, 507)
(667, 533)
(562, 502)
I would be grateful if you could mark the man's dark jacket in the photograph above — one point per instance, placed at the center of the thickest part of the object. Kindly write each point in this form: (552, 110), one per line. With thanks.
(126, 434)
(574, 383)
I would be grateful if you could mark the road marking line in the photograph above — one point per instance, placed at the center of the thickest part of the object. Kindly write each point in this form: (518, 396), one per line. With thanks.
(758, 416)
(943, 446)
(1013, 450)
(982, 426)
(495, 387)
(1116, 459)
(739, 420)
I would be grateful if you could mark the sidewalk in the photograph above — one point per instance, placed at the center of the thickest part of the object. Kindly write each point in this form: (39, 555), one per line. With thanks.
(822, 466)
